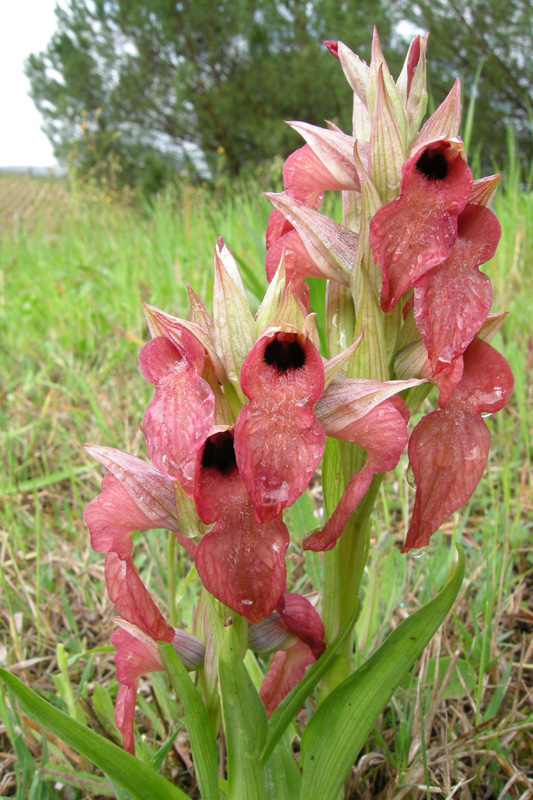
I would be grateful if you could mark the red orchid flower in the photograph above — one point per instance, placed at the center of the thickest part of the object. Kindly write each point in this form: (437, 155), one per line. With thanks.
(278, 440)
(241, 562)
(448, 449)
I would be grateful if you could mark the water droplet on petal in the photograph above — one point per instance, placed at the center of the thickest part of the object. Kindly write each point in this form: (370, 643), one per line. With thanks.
(488, 414)
(418, 552)
(247, 602)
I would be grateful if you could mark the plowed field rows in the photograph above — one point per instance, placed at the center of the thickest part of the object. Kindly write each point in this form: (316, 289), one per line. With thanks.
(28, 202)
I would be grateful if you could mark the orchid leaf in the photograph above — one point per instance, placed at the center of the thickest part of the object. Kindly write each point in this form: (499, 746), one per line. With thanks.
(245, 722)
(281, 774)
(204, 750)
(338, 730)
(124, 769)
(288, 708)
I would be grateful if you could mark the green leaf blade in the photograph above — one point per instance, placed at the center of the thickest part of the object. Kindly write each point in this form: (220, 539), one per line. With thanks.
(127, 771)
(338, 730)
(203, 746)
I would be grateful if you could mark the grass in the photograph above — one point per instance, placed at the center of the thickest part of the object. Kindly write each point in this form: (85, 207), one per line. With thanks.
(71, 323)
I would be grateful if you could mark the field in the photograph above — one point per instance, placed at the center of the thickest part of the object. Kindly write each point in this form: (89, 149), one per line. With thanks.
(74, 270)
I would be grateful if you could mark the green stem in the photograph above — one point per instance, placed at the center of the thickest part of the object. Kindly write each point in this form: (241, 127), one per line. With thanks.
(171, 579)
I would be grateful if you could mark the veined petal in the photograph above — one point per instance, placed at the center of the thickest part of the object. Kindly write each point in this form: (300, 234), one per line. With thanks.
(301, 617)
(335, 151)
(133, 658)
(278, 441)
(452, 301)
(179, 417)
(152, 492)
(330, 245)
(277, 226)
(278, 450)
(348, 400)
(286, 670)
(112, 517)
(239, 562)
(296, 259)
(132, 600)
(448, 452)
(383, 434)
(487, 381)
(162, 324)
(178, 335)
(448, 448)
(306, 178)
(242, 563)
(417, 230)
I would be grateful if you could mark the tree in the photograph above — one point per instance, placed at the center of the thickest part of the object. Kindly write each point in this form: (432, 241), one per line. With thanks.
(499, 34)
(186, 81)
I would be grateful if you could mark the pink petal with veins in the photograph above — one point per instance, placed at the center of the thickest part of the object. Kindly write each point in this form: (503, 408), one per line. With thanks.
(239, 561)
(383, 434)
(179, 417)
(417, 230)
(448, 452)
(301, 617)
(286, 670)
(133, 658)
(297, 260)
(278, 440)
(448, 448)
(452, 301)
(132, 600)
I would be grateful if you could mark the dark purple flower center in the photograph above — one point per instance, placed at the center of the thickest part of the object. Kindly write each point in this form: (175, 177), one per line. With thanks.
(433, 165)
(285, 353)
(219, 453)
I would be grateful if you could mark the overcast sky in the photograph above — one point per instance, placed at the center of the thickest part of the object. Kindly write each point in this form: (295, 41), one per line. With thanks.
(26, 26)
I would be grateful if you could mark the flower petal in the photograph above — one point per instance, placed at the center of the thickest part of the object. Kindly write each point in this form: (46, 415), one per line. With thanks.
(303, 619)
(132, 600)
(278, 441)
(112, 517)
(448, 448)
(239, 561)
(243, 564)
(177, 420)
(286, 669)
(452, 301)
(383, 434)
(448, 452)
(417, 230)
(133, 657)
(151, 492)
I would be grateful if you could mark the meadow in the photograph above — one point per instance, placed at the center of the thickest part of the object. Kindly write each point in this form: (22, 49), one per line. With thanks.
(75, 269)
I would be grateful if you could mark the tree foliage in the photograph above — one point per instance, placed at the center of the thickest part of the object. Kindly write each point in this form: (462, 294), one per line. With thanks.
(190, 83)
(140, 88)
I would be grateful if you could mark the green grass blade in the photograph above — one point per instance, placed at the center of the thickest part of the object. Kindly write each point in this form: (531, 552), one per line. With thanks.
(288, 708)
(204, 750)
(123, 768)
(338, 730)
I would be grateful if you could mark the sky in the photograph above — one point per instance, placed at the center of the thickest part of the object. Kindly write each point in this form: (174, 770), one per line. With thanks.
(26, 27)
